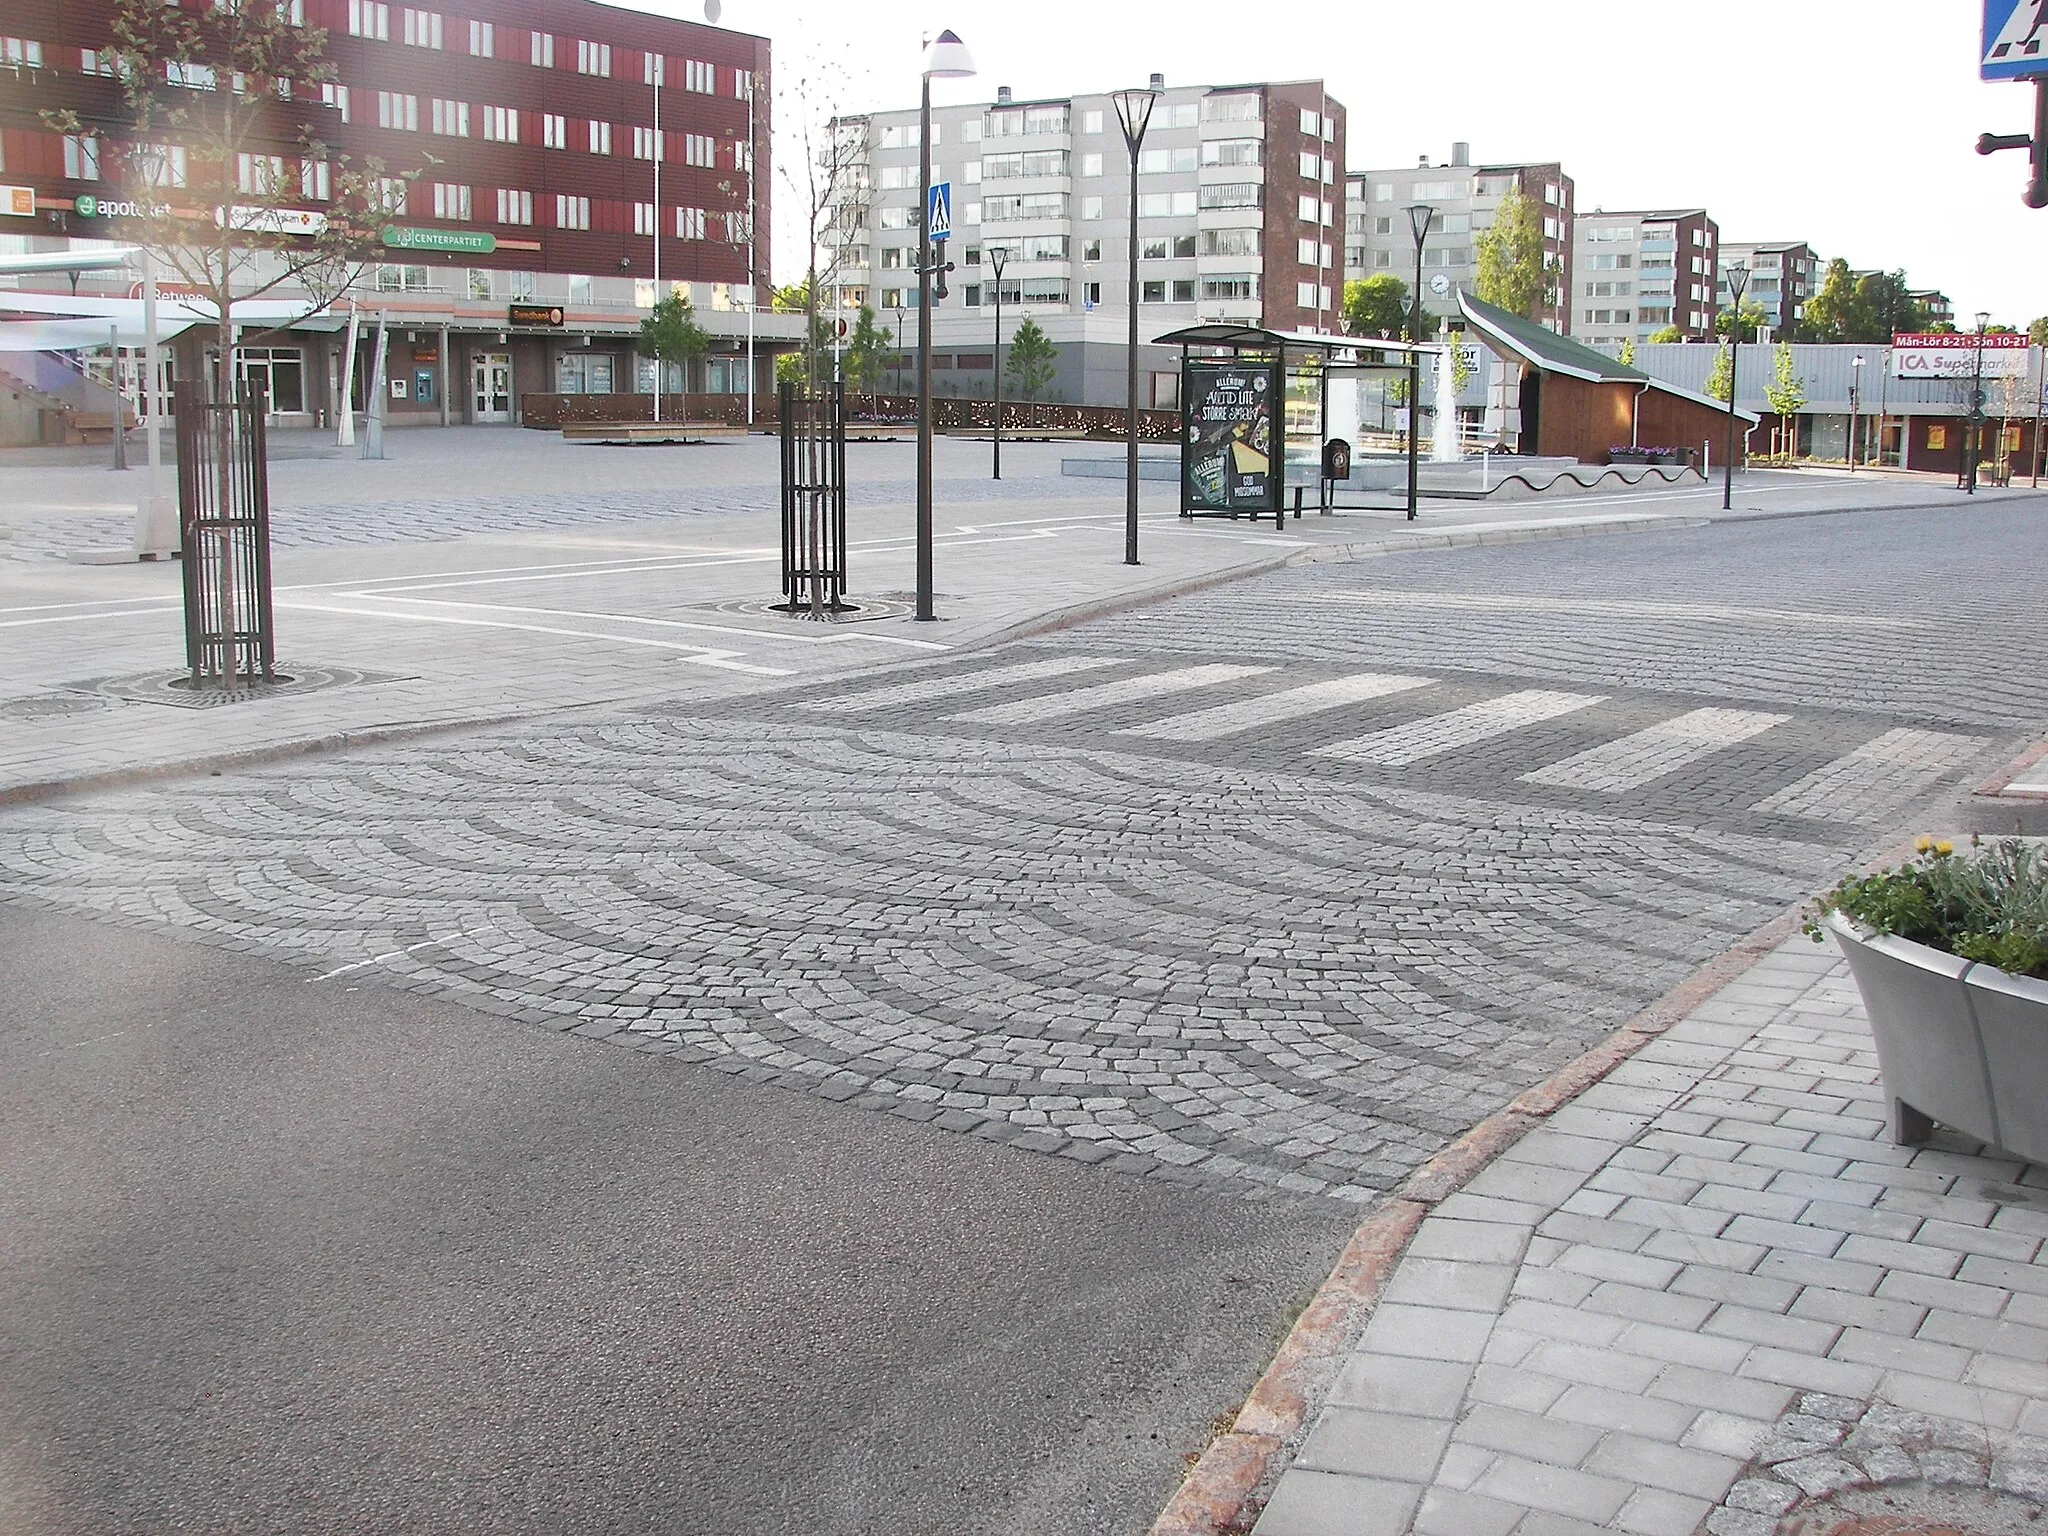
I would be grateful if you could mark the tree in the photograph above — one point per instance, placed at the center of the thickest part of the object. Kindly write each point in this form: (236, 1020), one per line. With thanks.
(2038, 332)
(1786, 395)
(671, 334)
(1751, 317)
(1627, 358)
(867, 349)
(1866, 308)
(1031, 361)
(1376, 305)
(1512, 275)
(1721, 382)
(1454, 352)
(1669, 334)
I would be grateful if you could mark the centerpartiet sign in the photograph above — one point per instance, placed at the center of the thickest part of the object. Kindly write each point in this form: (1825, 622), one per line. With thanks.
(1959, 355)
(470, 242)
(1227, 439)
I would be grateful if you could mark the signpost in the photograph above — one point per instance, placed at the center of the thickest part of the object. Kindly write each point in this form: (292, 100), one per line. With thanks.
(938, 212)
(2016, 48)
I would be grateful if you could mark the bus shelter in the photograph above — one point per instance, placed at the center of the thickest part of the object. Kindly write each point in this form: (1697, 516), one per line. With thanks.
(1256, 421)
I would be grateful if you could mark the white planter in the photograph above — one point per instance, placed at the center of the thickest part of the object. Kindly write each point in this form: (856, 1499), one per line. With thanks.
(1957, 1041)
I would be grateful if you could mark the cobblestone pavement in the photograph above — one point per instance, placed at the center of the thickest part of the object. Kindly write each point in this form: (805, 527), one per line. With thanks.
(1708, 1290)
(1252, 911)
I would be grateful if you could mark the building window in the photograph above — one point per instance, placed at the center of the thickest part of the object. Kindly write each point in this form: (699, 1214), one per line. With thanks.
(336, 96)
(571, 212)
(369, 18)
(81, 157)
(501, 124)
(479, 282)
(483, 39)
(21, 53)
(1152, 293)
(398, 111)
(451, 118)
(644, 146)
(1159, 162)
(600, 138)
(160, 165)
(542, 52)
(698, 149)
(1230, 242)
(1311, 124)
(653, 69)
(451, 201)
(1091, 165)
(315, 182)
(1231, 152)
(193, 77)
(1183, 290)
(1231, 194)
(690, 223)
(423, 28)
(699, 76)
(743, 90)
(594, 59)
(1230, 109)
(259, 175)
(1042, 162)
(554, 130)
(514, 206)
(1030, 205)
(1015, 121)
(390, 194)
(643, 219)
(1235, 287)
(1091, 207)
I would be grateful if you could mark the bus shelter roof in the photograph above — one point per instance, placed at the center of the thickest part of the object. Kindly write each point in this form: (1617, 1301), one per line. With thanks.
(1241, 337)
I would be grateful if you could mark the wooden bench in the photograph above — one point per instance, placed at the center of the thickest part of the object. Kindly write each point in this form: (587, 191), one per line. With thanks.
(619, 433)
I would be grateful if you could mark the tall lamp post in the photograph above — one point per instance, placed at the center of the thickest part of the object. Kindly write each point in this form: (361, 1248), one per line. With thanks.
(1973, 443)
(1855, 404)
(897, 364)
(1134, 116)
(997, 257)
(945, 58)
(1738, 285)
(1420, 217)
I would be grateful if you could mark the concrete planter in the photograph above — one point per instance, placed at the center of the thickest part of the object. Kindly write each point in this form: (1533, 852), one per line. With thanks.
(1958, 1042)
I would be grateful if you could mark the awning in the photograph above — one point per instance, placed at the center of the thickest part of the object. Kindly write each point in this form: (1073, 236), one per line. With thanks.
(77, 335)
(100, 258)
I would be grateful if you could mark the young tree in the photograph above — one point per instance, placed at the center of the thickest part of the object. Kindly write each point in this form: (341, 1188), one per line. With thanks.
(671, 334)
(1786, 395)
(1669, 334)
(1721, 382)
(1512, 274)
(829, 175)
(867, 352)
(1627, 359)
(1454, 351)
(1376, 306)
(1031, 361)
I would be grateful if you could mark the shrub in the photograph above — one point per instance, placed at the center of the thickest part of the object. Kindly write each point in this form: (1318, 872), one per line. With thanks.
(1988, 905)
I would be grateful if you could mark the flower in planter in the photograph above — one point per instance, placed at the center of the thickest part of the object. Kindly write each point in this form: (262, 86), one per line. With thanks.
(1990, 905)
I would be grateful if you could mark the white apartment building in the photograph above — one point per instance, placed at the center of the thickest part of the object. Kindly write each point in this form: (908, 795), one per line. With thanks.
(1378, 236)
(1238, 219)
(1639, 273)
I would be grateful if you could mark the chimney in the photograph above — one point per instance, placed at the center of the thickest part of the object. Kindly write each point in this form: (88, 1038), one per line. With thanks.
(1461, 153)
(1158, 82)
(1422, 164)
(1003, 97)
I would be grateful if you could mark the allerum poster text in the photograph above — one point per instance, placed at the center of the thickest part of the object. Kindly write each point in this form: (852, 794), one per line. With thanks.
(1227, 438)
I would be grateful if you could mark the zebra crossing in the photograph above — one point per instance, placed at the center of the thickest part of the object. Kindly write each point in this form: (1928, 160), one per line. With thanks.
(1876, 775)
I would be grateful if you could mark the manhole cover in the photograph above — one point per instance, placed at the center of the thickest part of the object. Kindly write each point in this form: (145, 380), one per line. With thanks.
(1917, 1509)
(857, 610)
(51, 706)
(176, 689)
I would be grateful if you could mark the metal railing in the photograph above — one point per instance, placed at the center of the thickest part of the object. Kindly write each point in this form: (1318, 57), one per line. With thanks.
(224, 512)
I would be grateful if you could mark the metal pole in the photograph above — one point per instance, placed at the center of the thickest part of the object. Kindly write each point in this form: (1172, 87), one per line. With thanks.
(1414, 437)
(120, 411)
(659, 365)
(1972, 444)
(1728, 459)
(1855, 405)
(997, 256)
(2040, 390)
(1132, 141)
(345, 418)
(924, 356)
(753, 294)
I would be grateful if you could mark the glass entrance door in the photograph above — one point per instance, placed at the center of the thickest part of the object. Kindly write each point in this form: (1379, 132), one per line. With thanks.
(490, 375)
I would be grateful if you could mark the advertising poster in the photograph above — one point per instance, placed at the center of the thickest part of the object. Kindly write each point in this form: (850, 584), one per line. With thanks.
(1304, 421)
(1227, 439)
(1960, 355)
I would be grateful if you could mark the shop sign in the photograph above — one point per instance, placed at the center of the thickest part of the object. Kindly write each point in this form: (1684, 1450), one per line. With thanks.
(275, 221)
(547, 316)
(470, 242)
(1227, 441)
(1960, 355)
(87, 206)
(18, 202)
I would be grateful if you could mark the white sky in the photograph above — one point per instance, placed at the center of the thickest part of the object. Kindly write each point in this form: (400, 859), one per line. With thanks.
(1848, 123)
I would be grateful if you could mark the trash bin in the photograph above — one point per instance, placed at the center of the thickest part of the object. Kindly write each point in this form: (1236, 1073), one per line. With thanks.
(1336, 459)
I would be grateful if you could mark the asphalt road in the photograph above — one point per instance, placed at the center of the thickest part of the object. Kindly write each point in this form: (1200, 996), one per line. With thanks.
(281, 1256)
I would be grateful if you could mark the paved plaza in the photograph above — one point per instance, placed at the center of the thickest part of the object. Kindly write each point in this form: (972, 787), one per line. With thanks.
(1263, 894)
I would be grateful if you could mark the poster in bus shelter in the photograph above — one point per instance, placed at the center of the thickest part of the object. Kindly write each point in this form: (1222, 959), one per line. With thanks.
(1227, 437)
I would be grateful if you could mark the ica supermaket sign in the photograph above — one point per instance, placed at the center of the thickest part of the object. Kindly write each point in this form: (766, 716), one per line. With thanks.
(1960, 355)
(2015, 39)
(938, 212)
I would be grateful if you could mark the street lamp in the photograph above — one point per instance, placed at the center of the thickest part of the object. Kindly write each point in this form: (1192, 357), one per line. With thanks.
(1855, 404)
(1973, 445)
(1420, 217)
(997, 257)
(1134, 116)
(1738, 285)
(946, 58)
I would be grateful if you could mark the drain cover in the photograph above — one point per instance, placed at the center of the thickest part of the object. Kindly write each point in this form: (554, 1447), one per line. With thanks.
(175, 688)
(854, 611)
(51, 706)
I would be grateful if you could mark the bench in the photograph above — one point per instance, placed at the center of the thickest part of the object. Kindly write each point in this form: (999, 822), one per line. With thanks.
(619, 433)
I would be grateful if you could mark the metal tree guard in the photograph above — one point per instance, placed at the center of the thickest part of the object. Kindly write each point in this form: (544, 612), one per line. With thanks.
(224, 512)
(814, 500)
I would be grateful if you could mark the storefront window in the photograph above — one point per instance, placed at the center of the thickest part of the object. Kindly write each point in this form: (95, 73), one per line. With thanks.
(584, 373)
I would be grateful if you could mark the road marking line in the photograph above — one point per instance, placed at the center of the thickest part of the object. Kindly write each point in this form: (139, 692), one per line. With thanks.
(1436, 734)
(705, 656)
(1126, 690)
(1714, 613)
(1615, 767)
(958, 682)
(1878, 776)
(793, 636)
(1271, 708)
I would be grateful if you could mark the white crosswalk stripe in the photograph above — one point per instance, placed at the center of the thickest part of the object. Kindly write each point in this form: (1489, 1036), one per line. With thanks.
(954, 683)
(1456, 728)
(1648, 755)
(1124, 690)
(1271, 708)
(1879, 776)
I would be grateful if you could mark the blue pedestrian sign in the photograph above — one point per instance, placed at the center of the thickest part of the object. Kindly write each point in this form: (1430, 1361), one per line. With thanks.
(938, 209)
(2015, 39)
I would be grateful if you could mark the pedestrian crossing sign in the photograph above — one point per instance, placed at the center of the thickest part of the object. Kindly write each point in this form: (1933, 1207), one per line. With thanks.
(2015, 39)
(938, 210)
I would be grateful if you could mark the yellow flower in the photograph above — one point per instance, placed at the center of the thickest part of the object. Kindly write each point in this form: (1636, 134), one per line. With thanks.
(1943, 850)
(1922, 844)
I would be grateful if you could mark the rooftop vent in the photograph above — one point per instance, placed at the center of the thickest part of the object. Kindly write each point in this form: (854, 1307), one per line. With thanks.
(1003, 97)
(1158, 82)
(1461, 153)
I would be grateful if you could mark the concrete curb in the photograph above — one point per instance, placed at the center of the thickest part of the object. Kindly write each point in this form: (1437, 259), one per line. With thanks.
(251, 757)
(1227, 1487)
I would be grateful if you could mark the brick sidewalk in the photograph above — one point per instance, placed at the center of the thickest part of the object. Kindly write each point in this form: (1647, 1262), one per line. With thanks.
(1708, 1289)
